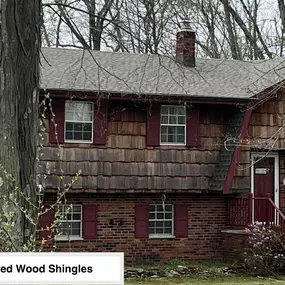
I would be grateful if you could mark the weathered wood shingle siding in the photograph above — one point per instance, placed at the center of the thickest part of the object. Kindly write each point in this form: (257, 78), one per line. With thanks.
(125, 163)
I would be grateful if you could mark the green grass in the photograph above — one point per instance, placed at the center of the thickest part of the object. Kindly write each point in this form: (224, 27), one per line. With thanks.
(210, 281)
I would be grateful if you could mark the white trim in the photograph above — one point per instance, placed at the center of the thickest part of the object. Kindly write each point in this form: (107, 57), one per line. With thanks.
(276, 174)
(160, 236)
(69, 121)
(173, 125)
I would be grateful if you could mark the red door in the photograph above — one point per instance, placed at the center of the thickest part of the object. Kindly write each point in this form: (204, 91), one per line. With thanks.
(263, 186)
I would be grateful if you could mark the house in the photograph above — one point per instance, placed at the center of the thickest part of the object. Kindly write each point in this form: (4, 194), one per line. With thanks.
(165, 148)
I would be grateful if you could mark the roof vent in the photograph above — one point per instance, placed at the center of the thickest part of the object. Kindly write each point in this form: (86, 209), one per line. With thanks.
(185, 45)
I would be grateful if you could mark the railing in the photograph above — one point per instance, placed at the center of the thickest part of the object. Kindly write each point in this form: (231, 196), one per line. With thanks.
(244, 211)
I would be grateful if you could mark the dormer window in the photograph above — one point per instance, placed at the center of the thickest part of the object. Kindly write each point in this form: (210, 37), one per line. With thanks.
(78, 121)
(173, 125)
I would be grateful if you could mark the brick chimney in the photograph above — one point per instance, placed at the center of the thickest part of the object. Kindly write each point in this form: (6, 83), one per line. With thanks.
(185, 45)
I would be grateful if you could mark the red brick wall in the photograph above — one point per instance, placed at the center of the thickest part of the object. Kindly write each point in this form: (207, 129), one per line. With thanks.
(206, 216)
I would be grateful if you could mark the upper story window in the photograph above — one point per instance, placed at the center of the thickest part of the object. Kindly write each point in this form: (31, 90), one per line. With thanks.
(161, 220)
(70, 222)
(173, 125)
(78, 121)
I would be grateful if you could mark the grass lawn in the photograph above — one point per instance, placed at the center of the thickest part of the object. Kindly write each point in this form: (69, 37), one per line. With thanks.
(210, 281)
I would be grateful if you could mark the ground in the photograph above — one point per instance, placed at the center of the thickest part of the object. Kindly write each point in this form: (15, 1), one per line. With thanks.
(212, 281)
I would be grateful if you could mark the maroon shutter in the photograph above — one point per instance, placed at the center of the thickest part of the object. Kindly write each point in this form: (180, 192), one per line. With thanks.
(90, 221)
(141, 220)
(192, 127)
(100, 123)
(58, 110)
(153, 125)
(45, 222)
(181, 220)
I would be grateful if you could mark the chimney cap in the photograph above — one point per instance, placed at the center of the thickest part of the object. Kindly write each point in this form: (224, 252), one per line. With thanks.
(185, 25)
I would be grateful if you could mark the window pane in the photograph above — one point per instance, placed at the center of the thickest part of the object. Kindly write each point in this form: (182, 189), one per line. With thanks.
(69, 116)
(69, 135)
(181, 111)
(168, 208)
(173, 120)
(159, 208)
(171, 130)
(151, 216)
(76, 208)
(164, 138)
(159, 230)
(164, 110)
(164, 129)
(171, 138)
(168, 215)
(180, 130)
(159, 216)
(87, 127)
(87, 117)
(168, 224)
(180, 138)
(152, 230)
(151, 224)
(76, 216)
(173, 110)
(87, 136)
(181, 120)
(69, 126)
(168, 231)
(78, 136)
(75, 232)
(77, 127)
(164, 120)
(151, 208)
(159, 224)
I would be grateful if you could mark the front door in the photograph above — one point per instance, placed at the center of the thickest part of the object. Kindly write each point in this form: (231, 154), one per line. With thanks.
(264, 177)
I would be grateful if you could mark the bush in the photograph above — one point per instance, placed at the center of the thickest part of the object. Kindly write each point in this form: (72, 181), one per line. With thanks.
(266, 249)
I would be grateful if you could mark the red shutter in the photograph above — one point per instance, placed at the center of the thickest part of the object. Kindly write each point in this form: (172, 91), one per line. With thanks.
(141, 220)
(90, 221)
(181, 221)
(153, 125)
(58, 110)
(100, 123)
(45, 222)
(192, 127)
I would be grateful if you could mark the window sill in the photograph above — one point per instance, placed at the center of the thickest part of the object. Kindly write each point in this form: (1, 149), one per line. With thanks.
(63, 238)
(158, 236)
(77, 142)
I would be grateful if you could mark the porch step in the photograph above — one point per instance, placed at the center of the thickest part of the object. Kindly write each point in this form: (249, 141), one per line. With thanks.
(227, 150)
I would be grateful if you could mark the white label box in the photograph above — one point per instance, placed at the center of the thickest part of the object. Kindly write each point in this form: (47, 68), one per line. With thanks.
(62, 268)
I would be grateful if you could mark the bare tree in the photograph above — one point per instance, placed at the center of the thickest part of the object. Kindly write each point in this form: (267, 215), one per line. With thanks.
(19, 82)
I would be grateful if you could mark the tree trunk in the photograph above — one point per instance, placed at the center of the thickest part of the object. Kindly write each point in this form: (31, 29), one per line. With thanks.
(19, 85)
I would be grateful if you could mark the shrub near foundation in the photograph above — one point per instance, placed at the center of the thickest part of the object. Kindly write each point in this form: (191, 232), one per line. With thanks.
(265, 254)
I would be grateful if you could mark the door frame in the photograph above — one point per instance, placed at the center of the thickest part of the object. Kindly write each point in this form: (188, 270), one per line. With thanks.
(276, 172)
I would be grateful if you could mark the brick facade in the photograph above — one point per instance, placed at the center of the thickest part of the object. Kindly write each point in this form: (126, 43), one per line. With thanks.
(206, 219)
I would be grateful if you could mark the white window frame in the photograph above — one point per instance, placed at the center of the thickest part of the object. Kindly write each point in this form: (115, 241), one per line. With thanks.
(69, 121)
(162, 220)
(175, 125)
(70, 237)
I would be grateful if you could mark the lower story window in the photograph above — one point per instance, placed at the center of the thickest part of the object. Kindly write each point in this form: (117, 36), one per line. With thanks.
(161, 220)
(70, 222)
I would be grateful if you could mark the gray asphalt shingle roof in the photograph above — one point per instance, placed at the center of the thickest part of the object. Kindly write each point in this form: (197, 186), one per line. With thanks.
(78, 70)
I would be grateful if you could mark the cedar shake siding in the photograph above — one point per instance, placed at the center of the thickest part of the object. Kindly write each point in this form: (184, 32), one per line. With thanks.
(127, 156)
(122, 226)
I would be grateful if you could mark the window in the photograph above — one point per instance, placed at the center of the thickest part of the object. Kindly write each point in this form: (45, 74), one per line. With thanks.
(161, 220)
(78, 121)
(173, 125)
(70, 222)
